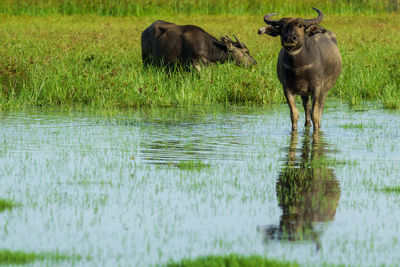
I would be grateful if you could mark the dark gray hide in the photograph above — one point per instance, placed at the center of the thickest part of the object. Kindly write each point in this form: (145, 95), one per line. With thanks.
(309, 63)
(165, 43)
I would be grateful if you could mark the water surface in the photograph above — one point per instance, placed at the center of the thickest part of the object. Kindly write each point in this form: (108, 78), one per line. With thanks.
(112, 187)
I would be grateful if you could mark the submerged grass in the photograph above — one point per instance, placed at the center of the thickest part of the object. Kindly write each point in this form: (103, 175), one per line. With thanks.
(6, 205)
(192, 165)
(21, 257)
(394, 189)
(17, 257)
(360, 126)
(94, 62)
(230, 261)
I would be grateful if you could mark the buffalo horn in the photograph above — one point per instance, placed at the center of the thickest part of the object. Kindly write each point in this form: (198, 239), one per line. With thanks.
(269, 21)
(228, 38)
(315, 21)
(240, 43)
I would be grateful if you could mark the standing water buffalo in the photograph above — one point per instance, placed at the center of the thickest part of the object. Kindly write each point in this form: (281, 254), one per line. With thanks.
(165, 43)
(309, 63)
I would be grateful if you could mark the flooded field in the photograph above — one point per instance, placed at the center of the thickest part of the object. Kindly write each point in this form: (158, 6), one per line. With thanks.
(146, 187)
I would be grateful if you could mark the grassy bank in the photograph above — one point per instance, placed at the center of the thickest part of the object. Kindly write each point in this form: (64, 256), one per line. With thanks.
(94, 62)
(204, 7)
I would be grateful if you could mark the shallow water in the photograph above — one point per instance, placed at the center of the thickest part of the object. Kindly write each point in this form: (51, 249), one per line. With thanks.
(112, 188)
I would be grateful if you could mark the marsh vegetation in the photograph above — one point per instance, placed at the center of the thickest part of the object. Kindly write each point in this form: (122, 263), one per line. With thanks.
(91, 62)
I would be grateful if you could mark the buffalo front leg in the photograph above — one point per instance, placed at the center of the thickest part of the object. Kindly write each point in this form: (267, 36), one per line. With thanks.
(196, 65)
(317, 108)
(294, 113)
(307, 110)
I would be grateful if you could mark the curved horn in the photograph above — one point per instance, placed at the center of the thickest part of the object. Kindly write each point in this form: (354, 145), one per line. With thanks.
(316, 20)
(240, 43)
(228, 38)
(269, 21)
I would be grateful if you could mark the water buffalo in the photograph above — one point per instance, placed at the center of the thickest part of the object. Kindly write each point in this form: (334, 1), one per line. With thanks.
(309, 63)
(165, 43)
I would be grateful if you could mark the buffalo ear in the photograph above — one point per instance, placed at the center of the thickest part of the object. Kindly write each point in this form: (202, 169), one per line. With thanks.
(221, 46)
(314, 29)
(270, 30)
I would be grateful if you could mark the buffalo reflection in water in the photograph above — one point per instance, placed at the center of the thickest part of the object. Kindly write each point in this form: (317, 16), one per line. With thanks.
(307, 191)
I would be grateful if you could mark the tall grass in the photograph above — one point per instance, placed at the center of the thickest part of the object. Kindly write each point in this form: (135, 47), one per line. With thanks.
(153, 7)
(95, 62)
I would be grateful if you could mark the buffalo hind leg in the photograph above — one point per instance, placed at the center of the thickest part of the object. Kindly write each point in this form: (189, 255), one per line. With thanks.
(307, 110)
(294, 113)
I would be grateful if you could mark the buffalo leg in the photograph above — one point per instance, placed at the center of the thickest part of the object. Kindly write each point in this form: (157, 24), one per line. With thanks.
(196, 65)
(307, 110)
(145, 58)
(317, 108)
(198, 68)
(322, 104)
(294, 113)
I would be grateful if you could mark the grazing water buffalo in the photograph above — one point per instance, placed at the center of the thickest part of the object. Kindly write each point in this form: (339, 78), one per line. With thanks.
(165, 43)
(309, 63)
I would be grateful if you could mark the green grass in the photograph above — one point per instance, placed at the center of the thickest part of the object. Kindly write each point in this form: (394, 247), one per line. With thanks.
(152, 7)
(360, 126)
(6, 205)
(394, 189)
(231, 261)
(192, 165)
(91, 62)
(17, 257)
(353, 126)
(21, 257)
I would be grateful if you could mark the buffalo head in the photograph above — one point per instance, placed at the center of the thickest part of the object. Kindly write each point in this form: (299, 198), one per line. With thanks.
(292, 30)
(239, 52)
